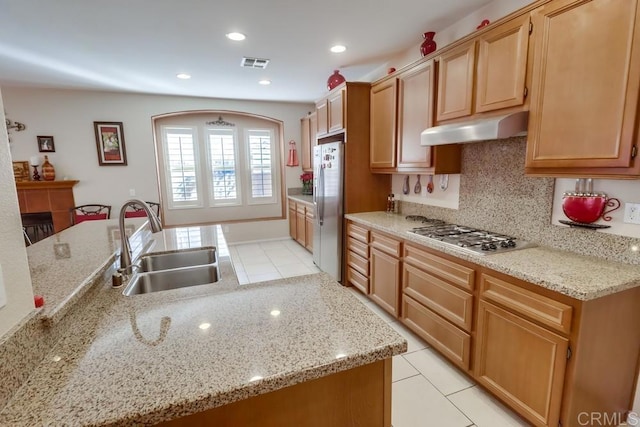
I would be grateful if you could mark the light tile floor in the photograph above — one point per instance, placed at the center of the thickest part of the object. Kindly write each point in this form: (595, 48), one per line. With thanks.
(427, 390)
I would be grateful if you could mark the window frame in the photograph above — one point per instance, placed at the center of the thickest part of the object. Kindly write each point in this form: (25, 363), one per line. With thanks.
(171, 203)
(250, 199)
(238, 200)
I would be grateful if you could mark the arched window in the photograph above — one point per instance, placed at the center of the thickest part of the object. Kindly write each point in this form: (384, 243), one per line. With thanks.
(219, 166)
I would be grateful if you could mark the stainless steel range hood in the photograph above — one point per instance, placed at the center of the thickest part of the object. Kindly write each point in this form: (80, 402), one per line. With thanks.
(498, 127)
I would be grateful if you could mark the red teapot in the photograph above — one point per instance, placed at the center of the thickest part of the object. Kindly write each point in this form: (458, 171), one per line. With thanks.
(585, 206)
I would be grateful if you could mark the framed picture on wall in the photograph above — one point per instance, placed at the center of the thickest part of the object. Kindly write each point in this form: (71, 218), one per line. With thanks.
(110, 143)
(45, 144)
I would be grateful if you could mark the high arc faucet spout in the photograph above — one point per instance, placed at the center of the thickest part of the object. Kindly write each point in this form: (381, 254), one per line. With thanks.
(125, 251)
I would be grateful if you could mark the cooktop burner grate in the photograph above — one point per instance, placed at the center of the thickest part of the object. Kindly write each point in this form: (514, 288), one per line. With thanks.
(470, 239)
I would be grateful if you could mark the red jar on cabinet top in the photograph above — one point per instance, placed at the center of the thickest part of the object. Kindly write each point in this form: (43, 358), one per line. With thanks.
(428, 45)
(335, 79)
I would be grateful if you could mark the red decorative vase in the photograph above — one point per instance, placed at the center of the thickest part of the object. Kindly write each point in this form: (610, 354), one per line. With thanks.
(335, 79)
(428, 45)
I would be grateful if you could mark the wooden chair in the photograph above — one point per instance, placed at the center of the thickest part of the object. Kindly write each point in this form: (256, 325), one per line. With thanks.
(89, 213)
(136, 211)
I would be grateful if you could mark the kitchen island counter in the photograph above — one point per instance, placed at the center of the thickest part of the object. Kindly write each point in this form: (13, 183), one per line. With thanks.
(581, 277)
(151, 358)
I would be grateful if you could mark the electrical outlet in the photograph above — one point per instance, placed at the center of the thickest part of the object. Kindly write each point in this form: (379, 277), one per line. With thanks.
(632, 213)
(3, 294)
(132, 191)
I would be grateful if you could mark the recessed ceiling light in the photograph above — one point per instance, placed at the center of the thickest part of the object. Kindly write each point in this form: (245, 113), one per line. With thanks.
(236, 36)
(264, 82)
(183, 76)
(338, 48)
(204, 326)
(275, 313)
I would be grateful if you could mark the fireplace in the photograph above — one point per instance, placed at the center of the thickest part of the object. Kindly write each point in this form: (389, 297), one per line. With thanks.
(47, 197)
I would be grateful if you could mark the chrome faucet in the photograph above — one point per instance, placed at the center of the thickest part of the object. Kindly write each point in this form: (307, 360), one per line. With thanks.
(125, 251)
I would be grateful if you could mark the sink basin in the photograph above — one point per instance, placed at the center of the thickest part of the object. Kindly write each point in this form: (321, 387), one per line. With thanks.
(144, 283)
(169, 260)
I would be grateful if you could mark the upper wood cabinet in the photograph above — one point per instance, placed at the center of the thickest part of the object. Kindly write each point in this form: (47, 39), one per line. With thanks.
(401, 108)
(322, 118)
(330, 112)
(584, 90)
(308, 129)
(489, 79)
(455, 82)
(383, 124)
(502, 65)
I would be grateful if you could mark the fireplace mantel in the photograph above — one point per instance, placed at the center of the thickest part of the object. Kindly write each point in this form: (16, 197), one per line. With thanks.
(48, 196)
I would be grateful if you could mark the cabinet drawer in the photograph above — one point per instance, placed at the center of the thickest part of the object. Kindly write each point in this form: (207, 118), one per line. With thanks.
(445, 299)
(358, 247)
(292, 204)
(310, 212)
(301, 209)
(442, 335)
(358, 280)
(545, 310)
(455, 273)
(357, 232)
(385, 244)
(358, 263)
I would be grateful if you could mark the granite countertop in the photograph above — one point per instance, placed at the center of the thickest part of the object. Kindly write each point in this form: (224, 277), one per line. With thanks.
(580, 277)
(301, 198)
(149, 358)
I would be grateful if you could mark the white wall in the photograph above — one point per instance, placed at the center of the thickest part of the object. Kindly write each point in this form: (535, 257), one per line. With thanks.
(13, 255)
(68, 116)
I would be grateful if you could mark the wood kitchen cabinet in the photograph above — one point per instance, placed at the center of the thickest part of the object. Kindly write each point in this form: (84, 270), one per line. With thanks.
(307, 141)
(548, 356)
(520, 361)
(357, 256)
(491, 79)
(383, 124)
(330, 112)
(401, 108)
(584, 90)
(437, 302)
(385, 272)
(301, 218)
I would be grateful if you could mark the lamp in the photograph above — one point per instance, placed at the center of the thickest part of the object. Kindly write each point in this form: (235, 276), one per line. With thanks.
(35, 161)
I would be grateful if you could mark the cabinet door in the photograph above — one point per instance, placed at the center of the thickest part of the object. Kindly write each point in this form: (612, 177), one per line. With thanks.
(383, 125)
(322, 118)
(300, 224)
(455, 82)
(385, 280)
(313, 130)
(336, 111)
(308, 230)
(584, 90)
(521, 362)
(293, 230)
(305, 144)
(415, 114)
(502, 65)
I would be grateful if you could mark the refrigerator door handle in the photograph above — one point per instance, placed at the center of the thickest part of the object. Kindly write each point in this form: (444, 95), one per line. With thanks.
(321, 198)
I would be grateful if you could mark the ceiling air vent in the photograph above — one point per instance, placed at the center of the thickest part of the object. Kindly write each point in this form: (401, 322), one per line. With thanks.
(254, 63)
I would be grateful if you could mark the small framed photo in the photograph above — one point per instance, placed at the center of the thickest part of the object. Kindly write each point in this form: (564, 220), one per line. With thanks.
(110, 144)
(45, 144)
(21, 171)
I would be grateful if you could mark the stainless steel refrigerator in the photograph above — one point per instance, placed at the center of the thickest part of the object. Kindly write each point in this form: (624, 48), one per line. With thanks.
(328, 178)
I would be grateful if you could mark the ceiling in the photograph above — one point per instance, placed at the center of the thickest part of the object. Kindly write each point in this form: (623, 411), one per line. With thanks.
(140, 45)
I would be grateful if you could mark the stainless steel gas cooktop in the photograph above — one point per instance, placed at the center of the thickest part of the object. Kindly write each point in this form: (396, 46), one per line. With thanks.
(474, 240)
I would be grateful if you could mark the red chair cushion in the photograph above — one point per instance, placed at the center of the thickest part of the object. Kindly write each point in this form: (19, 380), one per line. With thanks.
(80, 218)
(135, 214)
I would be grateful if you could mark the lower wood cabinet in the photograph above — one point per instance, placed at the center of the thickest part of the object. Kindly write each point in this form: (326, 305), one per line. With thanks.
(301, 217)
(521, 362)
(385, 272)
(546, 355)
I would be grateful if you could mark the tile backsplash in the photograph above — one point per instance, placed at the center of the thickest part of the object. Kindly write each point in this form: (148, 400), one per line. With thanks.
(496, 195)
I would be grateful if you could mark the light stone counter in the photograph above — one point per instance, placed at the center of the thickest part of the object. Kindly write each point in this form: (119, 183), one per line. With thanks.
(149, 358)
(581, 277)
(301, 198)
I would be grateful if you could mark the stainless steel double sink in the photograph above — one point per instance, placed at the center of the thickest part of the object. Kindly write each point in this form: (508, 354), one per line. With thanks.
(163, 271)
